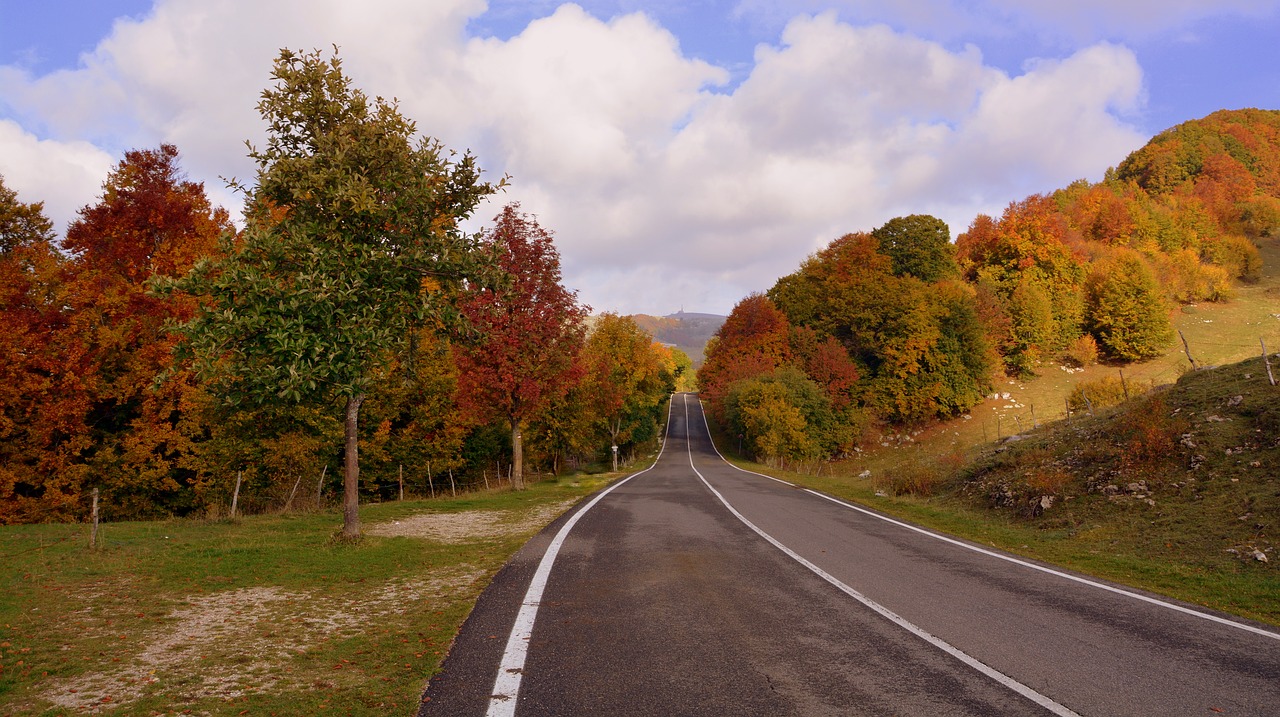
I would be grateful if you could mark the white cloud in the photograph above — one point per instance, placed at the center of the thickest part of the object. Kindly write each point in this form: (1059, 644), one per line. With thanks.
(663, 188)
(63, 175)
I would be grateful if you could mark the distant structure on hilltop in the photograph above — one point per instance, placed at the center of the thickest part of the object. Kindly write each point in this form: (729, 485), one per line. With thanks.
(686, 331)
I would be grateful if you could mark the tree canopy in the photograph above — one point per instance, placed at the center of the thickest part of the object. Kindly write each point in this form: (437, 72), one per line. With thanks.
(351, 244)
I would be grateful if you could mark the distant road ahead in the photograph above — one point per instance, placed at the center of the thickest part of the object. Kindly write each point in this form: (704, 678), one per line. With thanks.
(695, 588)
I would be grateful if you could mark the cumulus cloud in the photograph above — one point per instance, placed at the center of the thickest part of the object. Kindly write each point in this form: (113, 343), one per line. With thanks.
(665, 184)
(63, 175)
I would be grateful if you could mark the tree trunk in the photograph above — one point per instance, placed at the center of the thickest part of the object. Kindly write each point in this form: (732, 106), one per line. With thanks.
(517, 457)
(351, 470)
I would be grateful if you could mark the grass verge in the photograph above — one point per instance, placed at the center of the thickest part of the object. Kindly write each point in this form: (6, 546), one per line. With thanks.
(263, 615)
(1160, 548)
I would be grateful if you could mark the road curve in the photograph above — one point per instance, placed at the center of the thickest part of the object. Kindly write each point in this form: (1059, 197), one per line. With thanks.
(695, 588)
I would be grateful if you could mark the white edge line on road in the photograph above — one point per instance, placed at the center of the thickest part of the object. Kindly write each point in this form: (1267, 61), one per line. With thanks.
(1011, 559)
(506, 686)
(897, 619)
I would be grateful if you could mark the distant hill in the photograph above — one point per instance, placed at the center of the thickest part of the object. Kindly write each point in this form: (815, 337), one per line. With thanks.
(687, 331)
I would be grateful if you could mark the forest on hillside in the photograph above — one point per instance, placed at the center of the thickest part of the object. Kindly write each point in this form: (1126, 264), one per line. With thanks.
(899, 326)
(350, 339)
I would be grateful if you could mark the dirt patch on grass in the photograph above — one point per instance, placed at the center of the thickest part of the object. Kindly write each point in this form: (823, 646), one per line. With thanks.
(470, 525)
(243, 641)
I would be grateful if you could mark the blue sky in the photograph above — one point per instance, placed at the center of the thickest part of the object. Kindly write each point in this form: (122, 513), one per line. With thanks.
(684, 152)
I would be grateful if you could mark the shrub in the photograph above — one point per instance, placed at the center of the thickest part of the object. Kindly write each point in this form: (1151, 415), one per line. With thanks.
(1081, 352)
(1102, 392)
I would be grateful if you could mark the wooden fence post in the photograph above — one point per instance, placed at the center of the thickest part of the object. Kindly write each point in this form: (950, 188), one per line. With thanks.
(93, 534)
(289, 503)
(1267, 360)
(1187, 349)
(320, 484)
(235, 495)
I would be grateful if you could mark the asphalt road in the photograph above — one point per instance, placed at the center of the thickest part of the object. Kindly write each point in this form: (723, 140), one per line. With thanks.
(696, 588)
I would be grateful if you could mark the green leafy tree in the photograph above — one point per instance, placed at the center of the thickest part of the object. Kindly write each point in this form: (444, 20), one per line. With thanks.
(784, 415)
(351, 244)
(919, 246)
(1126, 310)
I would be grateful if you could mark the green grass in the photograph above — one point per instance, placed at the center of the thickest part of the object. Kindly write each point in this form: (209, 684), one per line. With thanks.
(267, 614)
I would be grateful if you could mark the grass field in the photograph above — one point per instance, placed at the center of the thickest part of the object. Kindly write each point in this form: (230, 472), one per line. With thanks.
(264, 615)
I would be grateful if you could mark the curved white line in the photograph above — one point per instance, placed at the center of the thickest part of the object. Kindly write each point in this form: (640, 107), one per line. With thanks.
(897, 619)
(506, 686)
(1011, 559)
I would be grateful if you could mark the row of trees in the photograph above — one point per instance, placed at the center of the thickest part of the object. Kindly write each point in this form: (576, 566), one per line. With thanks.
(919, 326)
(155, 351)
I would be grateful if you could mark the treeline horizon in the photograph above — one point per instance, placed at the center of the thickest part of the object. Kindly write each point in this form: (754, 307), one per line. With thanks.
(900, 326)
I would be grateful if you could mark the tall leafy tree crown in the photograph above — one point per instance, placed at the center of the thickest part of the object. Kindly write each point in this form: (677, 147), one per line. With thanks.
(351, 241)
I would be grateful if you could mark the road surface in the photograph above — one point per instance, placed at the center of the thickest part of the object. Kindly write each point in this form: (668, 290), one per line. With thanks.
(695, 588)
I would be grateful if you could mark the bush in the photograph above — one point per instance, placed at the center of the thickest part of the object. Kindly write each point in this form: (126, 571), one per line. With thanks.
(1102, 392)
(1081, 352)
(912, 479)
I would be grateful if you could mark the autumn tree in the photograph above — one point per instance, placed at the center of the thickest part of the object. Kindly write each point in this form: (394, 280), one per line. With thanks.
(627, 377)
(351, 245)
(151, 223)
(783, 415)
(753, 340)
(1027, 258)
(41, 416)
(1126, 311)
(530, 327)
(918, 245)
(910, 340)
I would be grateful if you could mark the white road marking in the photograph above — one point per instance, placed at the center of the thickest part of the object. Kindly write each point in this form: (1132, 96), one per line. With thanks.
(897, 619)
(1011, 559)
(506, 686)
(892, 616)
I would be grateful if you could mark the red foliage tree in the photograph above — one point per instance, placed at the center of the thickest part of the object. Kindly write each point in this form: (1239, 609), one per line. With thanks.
(754, 340)
(531, 331)
(150, 222)
(40, 413)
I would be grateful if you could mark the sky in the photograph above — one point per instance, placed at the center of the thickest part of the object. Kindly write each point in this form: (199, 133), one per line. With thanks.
(684, 153)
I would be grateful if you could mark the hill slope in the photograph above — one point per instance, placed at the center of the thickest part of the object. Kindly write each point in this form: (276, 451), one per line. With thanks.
(1188, 472)
(688, 332)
